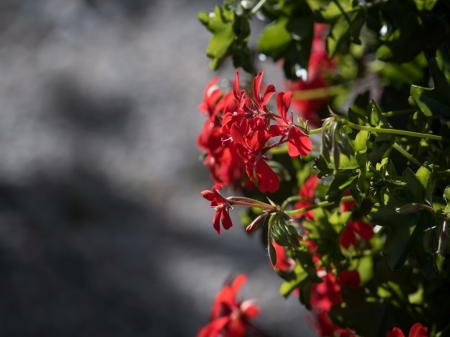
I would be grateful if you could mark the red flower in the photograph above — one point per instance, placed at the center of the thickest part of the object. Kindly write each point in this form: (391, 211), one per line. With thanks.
(349, 278)
(298, 142)
(211, 96)
(306, 193)
(283, 263)
(353, 229)
(323, 296)
(230, 317)
(261, 101)
(222, 207)
(250, 149)
(417, 330)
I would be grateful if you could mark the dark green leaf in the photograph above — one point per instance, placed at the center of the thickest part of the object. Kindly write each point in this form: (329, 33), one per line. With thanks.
(435, 101)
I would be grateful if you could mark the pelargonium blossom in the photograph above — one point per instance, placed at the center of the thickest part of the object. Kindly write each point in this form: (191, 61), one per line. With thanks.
(230, 317)
(222, 207)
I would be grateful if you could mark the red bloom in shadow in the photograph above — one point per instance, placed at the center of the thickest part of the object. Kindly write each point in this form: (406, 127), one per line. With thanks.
(229, 317)
(349, 278)
(354, 229)
(417, 330)
(306, 193)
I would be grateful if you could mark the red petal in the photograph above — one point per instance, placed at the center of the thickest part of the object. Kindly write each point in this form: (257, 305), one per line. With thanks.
(267, 179)
(363, 229)
(236, 85)
(270, 90)
(283, 263)
(349, 278)
(309, 187)
(348, 237)
(236, 328)
(396, 332)
(208, 195)
(238, 282)
(298, 143)
(257, 86)
(213, 329)
(216, 222)
(417, 330)
(225, 218)
(249, 309)
(282, 110)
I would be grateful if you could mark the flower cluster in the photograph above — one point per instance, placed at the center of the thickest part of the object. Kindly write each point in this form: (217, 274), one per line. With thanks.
(241, 129)
(229, 317)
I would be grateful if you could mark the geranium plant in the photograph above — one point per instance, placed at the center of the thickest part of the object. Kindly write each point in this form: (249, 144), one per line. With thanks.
(357, 225)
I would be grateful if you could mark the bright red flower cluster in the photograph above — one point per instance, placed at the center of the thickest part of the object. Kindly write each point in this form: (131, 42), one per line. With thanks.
(230, 318)
(241, 130)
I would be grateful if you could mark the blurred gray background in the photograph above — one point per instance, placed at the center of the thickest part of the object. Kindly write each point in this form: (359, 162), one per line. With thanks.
(103, 231)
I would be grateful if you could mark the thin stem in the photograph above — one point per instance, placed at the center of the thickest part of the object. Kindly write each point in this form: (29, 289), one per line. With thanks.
(398, 112)
(291, 199)
(320, 92)
(279, 150)
(257, 7)
(319, 205)
(406, 154)
(440, 333)
(314, 131)
(343, 12)
(394, 131)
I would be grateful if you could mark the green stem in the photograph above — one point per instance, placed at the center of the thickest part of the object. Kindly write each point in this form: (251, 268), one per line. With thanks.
(406, 154)
(257, 7)
(314, 131)
(291, 199)
(319, 205)
(440, 333)
(398, 112)
(284, 149)
(320, 92)
(343, 12)
(279, 150)
(394, 131)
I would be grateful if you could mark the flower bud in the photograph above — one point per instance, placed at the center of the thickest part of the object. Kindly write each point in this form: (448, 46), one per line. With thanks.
(258, 222)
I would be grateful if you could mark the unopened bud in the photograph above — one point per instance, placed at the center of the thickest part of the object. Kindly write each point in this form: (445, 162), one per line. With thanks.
(258, 222)
(410, 208)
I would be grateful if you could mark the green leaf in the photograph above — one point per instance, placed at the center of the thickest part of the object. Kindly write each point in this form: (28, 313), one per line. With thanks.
(363, 313)
(425, 5)
(346, 19)
(303, 276)
(230, 35)
(435, 101)
(447, 195)
(289, 39)
(407, 229)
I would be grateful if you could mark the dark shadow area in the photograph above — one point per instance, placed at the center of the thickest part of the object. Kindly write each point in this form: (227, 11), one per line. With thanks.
(70, 254)
(89, 112)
